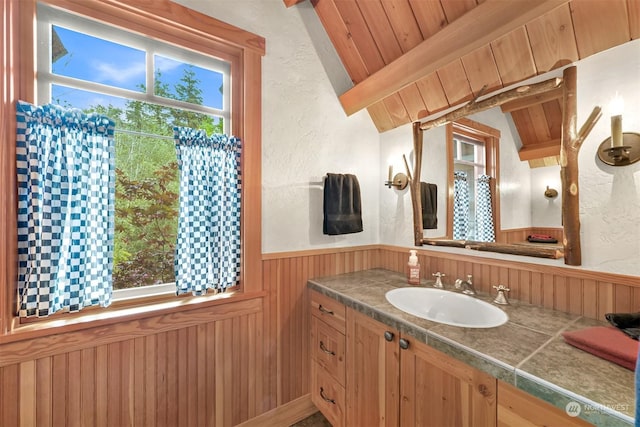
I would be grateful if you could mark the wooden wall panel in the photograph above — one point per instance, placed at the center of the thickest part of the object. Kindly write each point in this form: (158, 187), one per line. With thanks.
(286, 276)
(587, 293)
(196, 375)
(221, 371)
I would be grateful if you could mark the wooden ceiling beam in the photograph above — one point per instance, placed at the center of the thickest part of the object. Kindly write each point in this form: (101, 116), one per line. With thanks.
(482, 25)
(540, 150)
(519, 104)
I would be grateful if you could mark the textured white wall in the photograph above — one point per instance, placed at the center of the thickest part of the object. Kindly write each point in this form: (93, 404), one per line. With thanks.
(610, 196)
(305, 132)
(546, 212)
(396, 215)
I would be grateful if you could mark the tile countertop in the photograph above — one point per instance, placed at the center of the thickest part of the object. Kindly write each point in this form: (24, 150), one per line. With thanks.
(528, 351)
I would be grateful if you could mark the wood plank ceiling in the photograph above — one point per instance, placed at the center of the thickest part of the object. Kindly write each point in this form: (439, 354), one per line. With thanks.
(368, 35)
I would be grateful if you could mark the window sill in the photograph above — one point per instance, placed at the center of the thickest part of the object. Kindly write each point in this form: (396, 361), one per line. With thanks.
(119, 312)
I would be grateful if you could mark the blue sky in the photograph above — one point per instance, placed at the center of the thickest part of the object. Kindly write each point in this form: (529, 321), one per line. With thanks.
(93, 59)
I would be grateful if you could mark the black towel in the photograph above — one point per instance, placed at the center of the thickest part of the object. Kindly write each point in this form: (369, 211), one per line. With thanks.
(429, 197)
(342, 208)
(629, 323)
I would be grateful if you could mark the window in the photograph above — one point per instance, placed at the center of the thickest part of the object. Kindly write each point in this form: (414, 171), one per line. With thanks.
(469, 158)
(178, 93)
(164, 21)
(472, 152)
(147, 87)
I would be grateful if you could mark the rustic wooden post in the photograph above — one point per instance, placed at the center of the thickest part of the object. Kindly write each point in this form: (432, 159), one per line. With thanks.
(570, 147)
(416, 200)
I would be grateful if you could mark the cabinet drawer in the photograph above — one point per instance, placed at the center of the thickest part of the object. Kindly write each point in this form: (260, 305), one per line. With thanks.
(327, 395)
(329, 310)
(327, 348)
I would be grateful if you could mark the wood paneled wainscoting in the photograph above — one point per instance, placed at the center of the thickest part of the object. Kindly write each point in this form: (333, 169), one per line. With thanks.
(572, 290)
(199, 367)
(213, 365)
(567, 289)
(224, 364)
(285, 278)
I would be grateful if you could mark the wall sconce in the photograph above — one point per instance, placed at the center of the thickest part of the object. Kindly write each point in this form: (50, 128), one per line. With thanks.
(550, 193)
(622, 148)
(398, 180)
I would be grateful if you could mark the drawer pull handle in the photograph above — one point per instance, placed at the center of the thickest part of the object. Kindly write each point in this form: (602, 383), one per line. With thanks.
(325, 398)
(323, 348)
(388, 335)
(324, 310)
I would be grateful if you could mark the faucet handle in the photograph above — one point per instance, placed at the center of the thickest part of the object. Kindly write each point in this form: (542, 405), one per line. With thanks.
(438, 277)
(501, 298)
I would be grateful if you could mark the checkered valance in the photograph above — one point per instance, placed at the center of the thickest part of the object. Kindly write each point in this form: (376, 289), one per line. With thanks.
(208, 242)
(66, 187)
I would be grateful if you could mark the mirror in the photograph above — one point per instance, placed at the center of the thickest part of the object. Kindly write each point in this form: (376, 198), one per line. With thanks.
(570, 145)
(487, 143)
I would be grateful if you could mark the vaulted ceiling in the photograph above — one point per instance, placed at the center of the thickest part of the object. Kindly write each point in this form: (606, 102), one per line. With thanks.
(409, 59)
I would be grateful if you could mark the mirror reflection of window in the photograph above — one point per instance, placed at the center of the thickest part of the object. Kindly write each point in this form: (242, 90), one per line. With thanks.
(473, 166)
(468, 157)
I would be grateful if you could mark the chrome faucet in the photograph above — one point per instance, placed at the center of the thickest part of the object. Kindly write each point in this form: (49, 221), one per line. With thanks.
(466, 285)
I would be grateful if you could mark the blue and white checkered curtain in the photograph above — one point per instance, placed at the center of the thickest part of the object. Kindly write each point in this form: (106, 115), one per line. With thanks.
(208, 242)
(66, 194)
(485, 231)
(460, 205)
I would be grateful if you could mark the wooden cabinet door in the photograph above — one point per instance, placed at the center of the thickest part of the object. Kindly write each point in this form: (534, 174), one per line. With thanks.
(517, 408)
(373, 377)
(437, 390)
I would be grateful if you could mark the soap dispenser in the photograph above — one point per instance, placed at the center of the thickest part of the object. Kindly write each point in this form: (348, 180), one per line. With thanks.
(413, 269)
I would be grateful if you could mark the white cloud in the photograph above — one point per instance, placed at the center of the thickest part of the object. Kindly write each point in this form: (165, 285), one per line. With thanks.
(117, 73)
(121, 74)
(166, 64)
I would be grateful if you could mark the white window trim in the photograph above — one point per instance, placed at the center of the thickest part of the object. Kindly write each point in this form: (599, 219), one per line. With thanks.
(144, 291)
(48, 16)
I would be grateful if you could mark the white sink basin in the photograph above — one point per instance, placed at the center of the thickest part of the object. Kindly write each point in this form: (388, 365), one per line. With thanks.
(447, 307)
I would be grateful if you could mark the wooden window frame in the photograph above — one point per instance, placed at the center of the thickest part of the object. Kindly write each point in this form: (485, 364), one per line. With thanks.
(491, 139)
(169, 22)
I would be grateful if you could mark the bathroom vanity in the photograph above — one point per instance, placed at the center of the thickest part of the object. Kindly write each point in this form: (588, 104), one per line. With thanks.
(373, 364)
